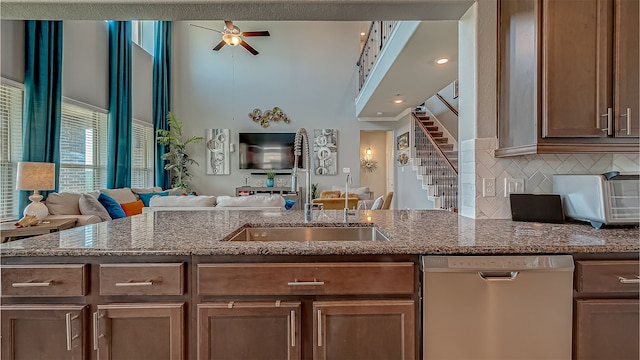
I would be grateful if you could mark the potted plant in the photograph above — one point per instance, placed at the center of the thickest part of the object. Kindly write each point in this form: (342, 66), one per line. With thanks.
(270, 176)
(176, 152)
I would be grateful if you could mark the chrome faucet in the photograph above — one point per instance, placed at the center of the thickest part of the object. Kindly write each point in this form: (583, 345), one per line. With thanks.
(302, 138)
(346, 198)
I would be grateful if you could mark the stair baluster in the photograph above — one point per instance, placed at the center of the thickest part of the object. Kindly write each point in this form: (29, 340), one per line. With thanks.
(437, 166)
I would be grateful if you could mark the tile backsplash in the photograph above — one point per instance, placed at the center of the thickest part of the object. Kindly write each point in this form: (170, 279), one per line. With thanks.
(536, 170)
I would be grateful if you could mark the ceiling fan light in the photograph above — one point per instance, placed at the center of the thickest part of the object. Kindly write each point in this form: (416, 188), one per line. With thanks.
(231, 39)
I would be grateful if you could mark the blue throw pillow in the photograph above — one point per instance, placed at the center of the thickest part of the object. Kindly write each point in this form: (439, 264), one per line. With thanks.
(145, 197)
(288, 204)
(113, 208)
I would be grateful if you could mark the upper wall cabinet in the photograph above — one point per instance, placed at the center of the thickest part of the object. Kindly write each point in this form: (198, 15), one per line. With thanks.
(568, 76)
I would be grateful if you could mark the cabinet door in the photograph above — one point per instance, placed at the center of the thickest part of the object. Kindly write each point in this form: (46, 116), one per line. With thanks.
(577, 67)
(627, 68)
(249, 331)
(370, 329)
(43, 332)
(607, 329)
(139, 331)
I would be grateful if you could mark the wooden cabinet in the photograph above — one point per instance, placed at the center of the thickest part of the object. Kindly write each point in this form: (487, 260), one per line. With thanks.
(138, 310)
(319, 310)
(249, 330)
(369, 329)
(143, 328)
(31, 331)
(150, 331)
(606, 313)
(568, 76)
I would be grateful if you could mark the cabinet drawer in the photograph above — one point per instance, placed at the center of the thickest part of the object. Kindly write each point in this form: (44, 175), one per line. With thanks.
(294, 278)
(142, 279)
(44, 280)
(610, 276)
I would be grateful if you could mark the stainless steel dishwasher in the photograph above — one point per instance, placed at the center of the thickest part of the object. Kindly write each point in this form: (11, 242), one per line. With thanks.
(497, 307)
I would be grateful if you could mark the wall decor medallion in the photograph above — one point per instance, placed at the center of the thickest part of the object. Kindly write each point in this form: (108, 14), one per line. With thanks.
(325, 151)
(368, 165)
(403, 159)
(264, 119)
(217, 141)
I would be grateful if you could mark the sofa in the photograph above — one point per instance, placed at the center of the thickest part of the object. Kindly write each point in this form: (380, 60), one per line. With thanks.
(86, 210)
(250, 202)
(92, 208)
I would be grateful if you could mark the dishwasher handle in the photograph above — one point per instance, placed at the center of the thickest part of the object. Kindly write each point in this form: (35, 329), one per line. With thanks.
(498, 275)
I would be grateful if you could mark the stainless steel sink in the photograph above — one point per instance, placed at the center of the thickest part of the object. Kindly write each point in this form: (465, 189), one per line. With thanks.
(305, 233)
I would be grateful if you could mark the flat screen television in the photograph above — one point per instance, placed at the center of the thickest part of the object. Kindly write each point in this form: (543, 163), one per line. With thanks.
(267, 151)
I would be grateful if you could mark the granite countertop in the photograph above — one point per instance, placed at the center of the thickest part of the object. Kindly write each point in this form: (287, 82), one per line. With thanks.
(410, 231)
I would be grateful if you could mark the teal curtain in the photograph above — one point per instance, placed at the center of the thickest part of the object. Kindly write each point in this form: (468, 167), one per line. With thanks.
(161, 95)
(119, 128)
(42, 97)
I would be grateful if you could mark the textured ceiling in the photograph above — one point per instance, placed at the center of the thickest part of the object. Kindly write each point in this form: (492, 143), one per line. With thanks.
(234, 9)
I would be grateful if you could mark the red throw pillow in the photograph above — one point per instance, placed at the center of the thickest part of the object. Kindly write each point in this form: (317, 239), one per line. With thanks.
(133, 208)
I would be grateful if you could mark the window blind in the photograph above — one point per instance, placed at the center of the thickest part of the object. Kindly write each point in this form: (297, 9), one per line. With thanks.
(11, 148)
(83, 148)
(142, 155)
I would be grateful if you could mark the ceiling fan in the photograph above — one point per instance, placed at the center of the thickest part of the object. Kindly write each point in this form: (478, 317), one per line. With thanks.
(232, 35)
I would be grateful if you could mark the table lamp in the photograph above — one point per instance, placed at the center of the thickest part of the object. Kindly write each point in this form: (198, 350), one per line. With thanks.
(36, 176)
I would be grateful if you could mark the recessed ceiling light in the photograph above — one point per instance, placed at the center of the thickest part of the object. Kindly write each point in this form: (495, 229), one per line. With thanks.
(363, 33)
(442, 61)
(379, 113)
(398, 99)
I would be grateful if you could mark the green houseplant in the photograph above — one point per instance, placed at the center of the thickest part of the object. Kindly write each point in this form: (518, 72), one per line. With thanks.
(176, 152)
(270, 176)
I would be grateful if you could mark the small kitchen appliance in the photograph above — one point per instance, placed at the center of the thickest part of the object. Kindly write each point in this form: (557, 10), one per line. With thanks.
(605, 199)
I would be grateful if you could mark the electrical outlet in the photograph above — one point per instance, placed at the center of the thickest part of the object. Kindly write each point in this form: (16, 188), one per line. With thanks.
(488, 187)
(346, 170)
(513, 186)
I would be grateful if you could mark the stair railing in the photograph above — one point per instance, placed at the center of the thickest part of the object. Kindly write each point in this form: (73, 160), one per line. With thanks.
(443, 174)
(432, 142)
(377, 37)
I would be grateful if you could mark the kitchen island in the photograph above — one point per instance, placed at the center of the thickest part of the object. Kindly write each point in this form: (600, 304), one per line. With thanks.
(168, 284)
(410, 231)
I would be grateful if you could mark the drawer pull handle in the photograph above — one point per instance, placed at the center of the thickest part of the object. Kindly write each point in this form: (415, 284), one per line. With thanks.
(32, 284)
(293, 328)
(95, 330)
(306, 283)
(140, 283)
(319, 328)
(67, 318)
(624, 280)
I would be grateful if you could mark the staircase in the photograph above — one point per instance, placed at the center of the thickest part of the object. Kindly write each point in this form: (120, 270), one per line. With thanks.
(436, 163)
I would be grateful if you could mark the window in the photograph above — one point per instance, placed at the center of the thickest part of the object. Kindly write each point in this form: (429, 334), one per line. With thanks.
(11, 144)
(83, 148)
(142, 155)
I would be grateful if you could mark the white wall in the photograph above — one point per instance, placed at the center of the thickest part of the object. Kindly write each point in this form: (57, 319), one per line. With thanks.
(308, 69)
(85, 62)
(12, 54)
(142, 85)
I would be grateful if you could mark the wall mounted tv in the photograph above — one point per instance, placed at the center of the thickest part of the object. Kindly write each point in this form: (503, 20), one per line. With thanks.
(267, 151)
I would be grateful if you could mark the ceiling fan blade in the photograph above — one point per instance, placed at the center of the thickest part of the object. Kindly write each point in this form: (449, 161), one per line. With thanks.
(219, 46)
(248, 47)
(206, 28)
(228, 24)
(255, 33)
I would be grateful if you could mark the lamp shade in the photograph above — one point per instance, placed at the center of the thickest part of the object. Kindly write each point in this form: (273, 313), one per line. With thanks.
(36, 176)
